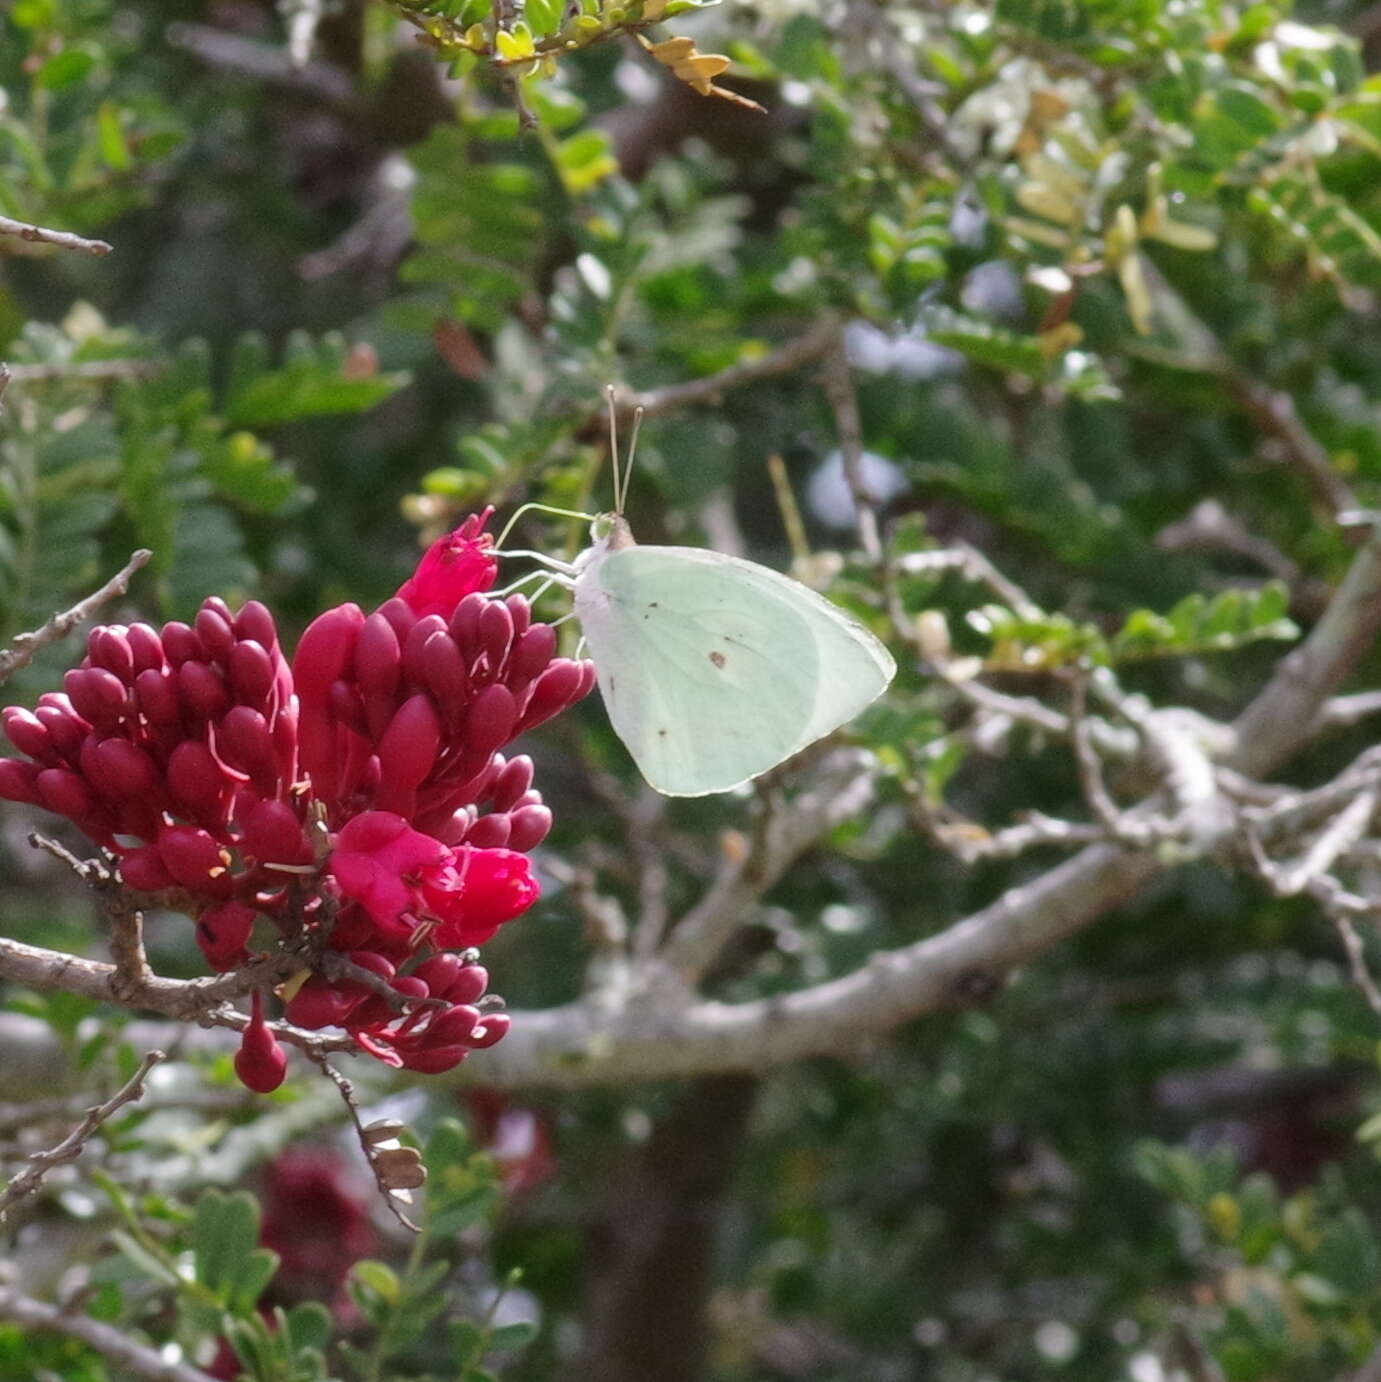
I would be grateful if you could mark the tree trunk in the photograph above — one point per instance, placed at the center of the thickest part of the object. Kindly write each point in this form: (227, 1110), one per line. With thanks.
(650, 1254)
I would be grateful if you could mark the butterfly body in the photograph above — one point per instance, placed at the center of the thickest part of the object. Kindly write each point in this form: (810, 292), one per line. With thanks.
(713, 669)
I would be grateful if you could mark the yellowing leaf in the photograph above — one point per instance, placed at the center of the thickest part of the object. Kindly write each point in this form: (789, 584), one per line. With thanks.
(696, 69)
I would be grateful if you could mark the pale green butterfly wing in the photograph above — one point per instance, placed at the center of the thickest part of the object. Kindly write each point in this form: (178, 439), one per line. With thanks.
(713, 669)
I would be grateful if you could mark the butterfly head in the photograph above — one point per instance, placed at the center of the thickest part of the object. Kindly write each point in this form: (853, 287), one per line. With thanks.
(610, 532)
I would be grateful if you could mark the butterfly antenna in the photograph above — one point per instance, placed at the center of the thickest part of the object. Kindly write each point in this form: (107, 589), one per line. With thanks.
(632, 452)
(614, 447)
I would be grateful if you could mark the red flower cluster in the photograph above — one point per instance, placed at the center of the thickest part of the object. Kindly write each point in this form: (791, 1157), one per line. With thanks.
(209, 766)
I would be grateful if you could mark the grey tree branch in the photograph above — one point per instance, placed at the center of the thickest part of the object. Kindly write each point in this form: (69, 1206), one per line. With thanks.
(138, 1359)
(1280, 719)
(839, 789)
(185, 1000)
(25, 646)
(28, 1181)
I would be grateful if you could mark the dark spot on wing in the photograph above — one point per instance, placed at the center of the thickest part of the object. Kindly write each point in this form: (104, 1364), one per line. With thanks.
(661, 734)
(717, 659)
(652, 604)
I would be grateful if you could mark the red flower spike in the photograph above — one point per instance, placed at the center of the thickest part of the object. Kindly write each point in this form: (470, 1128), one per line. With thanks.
(181, 644)
(27, 733)
(66, 793)
(255, 623)
(261, 1063)
(528, 827)
(222, 933)
(143, 870)
(453, 567)
(213, 628)
(18, 781)
(204, 744)
(99, 696)
(489, 832)
(273, 834)
(409, 746)
(109, 647)
(251, 673)
(325, 650)
(146, 646)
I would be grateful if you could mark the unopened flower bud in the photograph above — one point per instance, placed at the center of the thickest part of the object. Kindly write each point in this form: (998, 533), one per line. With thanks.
(109, 647)
(146, 646)
(261, 1063)
(256, 623)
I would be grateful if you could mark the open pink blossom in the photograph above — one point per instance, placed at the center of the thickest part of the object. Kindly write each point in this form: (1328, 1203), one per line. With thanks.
(453, 567)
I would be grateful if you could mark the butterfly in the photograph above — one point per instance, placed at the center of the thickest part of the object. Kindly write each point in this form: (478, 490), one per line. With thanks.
(713, 669)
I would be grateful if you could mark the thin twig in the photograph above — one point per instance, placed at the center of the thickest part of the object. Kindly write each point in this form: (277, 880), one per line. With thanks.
(25, 646)
(839, 389)
(1342, 712)
(1357, 964)
(1086, 759)
(974, 567)
(17, 1117)
(28, 1181)
(382, 1179)
(811, 346)
(63, 239)
(133, 368)
(137, 1359)
(1273, 412)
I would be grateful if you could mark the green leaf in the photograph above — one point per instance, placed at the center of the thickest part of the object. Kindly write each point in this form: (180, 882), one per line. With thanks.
(511, 1336)
(543, 16)
(379, 1278)
(224, 1237)
(65, 69)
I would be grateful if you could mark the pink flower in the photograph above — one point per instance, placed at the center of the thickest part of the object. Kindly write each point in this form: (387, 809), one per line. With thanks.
(398, 874)
(453, 567)
(380, 860)
(494, 886)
